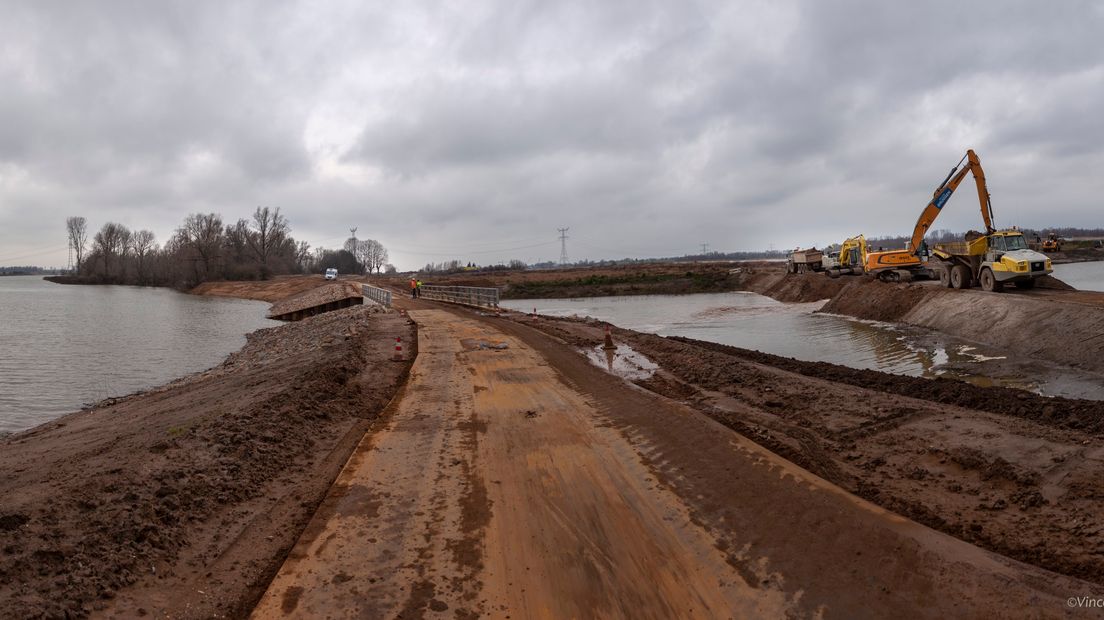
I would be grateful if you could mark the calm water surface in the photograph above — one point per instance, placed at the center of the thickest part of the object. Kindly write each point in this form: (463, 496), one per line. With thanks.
(1084, 276)
(760, 323)
(62, 346)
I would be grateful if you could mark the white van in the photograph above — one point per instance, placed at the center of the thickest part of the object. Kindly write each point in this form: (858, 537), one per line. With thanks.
(331, 274)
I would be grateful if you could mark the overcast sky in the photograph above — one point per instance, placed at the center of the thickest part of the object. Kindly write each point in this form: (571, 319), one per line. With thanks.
(473, 130)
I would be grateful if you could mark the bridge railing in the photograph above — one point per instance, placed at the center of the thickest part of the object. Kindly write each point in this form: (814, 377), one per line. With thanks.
(381, 296)
(468, 295)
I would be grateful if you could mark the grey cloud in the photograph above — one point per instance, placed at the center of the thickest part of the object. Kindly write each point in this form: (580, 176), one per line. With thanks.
(646, 126)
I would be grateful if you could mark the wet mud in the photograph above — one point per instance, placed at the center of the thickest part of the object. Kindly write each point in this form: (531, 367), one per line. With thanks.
(1007, 470)
(183, 500)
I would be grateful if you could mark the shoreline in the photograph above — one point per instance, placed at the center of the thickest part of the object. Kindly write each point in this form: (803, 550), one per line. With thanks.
(135, 498)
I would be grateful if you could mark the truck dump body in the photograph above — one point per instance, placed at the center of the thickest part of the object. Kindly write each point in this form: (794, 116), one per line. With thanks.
(802, 261)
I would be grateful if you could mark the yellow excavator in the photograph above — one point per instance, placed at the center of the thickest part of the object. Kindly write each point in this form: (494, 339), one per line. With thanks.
(906, 264)
(992, 259)
(852, 256)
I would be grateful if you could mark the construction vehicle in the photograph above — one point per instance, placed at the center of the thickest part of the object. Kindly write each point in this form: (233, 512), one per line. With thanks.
(1053, 243)
(993, 258)
(907, 264)
(803, 261)
(851, 258)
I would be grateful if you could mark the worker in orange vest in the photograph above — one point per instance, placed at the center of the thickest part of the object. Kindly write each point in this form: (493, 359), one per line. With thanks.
(413, 287)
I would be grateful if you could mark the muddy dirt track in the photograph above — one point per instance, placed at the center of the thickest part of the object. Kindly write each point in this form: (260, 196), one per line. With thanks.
(1007, 470)
(516, 479)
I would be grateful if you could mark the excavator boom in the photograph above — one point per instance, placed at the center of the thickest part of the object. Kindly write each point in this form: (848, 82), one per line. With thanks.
(943, 193)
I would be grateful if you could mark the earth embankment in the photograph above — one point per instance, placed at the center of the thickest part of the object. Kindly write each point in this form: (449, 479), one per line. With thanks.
(1064, 327)
(1077, 255)
(1004, 469)
(1053, 322)
(183, 500)
(276, 289)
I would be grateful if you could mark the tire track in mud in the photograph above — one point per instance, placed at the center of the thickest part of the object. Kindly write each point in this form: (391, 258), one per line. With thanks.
(896, 450)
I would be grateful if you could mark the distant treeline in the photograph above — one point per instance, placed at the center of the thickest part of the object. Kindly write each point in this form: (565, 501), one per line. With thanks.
(205, 248)
(26, 270)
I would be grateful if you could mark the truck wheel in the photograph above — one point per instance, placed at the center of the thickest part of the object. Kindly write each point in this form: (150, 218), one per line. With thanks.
(945, 277)
(989, 282)
(960, 276)
(1025, 285)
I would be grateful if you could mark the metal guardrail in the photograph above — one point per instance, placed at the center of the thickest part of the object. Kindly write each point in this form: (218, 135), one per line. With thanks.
(379, 295)
(467, 295)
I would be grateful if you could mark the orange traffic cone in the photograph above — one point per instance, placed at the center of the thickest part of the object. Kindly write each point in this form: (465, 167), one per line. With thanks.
(608, 344)
(398, 357)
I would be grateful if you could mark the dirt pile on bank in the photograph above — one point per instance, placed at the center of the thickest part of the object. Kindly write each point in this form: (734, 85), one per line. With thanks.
(1004, 469)
(1076, 255)
(130, 507)
(331, 292)
(1054, 325)
(276, 289)
(773, 281)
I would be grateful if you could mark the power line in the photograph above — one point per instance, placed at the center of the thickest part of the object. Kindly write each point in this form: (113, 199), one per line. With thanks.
(13, 258)
(563, 245)
(466, 252)
(705, 249)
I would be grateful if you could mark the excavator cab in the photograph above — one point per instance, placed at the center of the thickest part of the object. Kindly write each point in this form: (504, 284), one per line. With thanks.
(852, 256)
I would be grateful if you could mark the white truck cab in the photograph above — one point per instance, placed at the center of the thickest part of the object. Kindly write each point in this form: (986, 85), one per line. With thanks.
(331, 274)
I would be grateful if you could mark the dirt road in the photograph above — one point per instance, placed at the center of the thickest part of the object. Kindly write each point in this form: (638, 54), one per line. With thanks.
(514, 479)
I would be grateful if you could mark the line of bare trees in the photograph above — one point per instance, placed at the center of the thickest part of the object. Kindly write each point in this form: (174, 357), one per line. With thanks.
(203, 248)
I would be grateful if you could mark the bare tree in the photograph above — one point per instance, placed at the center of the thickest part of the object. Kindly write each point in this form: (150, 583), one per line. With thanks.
(303, 256)
(269, 231)
(144, 244)
(110, 243)
(203, 233)
(376, 255)
(78, 237)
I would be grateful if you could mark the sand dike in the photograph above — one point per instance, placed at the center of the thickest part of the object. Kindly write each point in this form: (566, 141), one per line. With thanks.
(1052, 323)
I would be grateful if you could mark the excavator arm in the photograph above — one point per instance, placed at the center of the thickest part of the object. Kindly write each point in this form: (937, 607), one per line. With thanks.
(943, 193)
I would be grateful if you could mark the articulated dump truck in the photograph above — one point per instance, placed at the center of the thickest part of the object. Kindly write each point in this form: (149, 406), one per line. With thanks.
(992, 260)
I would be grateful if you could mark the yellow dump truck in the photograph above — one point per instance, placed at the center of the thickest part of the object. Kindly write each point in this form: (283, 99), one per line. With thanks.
(993, 260)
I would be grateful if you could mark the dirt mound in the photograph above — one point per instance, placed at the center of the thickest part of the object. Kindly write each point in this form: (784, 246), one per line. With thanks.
(1054, 325)
(276, 289)
(317, 296)
(1068, 413)
(130, 503)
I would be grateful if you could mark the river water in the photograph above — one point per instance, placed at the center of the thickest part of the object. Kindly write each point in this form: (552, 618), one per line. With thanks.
(1083, 276)
(753, 321)
(62, 346)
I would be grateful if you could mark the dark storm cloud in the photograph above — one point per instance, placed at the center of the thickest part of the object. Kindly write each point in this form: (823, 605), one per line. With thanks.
(451, 130)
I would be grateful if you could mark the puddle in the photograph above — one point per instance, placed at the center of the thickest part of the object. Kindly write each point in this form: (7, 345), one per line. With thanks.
(622, 361)
(471, 344)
